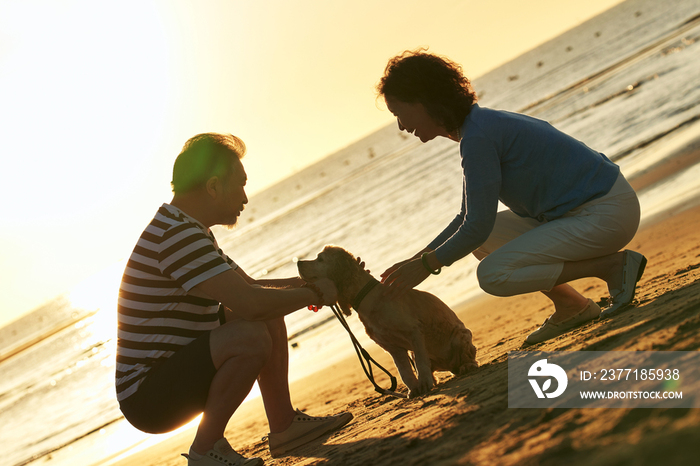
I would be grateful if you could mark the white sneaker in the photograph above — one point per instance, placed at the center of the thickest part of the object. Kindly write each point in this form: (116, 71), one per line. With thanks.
(222, 454)
(304, 429)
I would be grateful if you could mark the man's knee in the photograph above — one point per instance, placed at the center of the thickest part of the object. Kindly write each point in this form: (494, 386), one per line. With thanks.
(255, 337)
(277, 329)
(241, 339)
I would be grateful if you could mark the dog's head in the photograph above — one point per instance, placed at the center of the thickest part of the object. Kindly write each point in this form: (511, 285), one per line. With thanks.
(340, 267)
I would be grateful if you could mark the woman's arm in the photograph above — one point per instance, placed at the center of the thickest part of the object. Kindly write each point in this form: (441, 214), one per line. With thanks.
(454, 225)
(467, 231)
(482, 186)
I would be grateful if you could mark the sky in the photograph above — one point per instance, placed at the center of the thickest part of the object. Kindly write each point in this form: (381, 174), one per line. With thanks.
(97, 99)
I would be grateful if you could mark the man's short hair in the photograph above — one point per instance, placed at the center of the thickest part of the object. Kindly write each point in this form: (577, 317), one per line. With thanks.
(204, 156)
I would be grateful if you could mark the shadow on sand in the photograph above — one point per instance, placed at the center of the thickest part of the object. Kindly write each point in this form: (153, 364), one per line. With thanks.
(475, 426)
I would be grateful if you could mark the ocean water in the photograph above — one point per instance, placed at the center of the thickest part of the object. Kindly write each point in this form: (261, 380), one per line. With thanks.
(626, 83)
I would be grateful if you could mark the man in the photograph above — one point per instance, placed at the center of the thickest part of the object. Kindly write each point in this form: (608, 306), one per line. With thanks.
(195, 331)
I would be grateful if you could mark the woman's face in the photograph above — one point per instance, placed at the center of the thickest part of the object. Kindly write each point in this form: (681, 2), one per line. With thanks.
(414, 118)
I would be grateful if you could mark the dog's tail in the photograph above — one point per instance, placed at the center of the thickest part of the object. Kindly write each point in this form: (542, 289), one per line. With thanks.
(463, 352)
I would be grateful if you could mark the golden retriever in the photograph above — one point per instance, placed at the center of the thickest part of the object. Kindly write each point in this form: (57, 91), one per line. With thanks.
(415, 322)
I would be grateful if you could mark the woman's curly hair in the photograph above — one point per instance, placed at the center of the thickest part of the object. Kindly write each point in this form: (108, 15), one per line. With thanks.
(436, 82)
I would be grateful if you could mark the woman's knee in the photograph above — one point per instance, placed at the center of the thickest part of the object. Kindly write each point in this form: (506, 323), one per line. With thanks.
(492, 276)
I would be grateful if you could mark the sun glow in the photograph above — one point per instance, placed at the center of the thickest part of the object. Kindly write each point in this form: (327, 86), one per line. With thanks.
(86, 101)
(127, 435)
(100, 291)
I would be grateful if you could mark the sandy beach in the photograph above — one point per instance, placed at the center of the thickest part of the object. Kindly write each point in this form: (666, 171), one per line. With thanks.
(466, 420)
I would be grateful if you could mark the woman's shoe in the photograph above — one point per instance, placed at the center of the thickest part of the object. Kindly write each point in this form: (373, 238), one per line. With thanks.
(549, 330)
(632, 270)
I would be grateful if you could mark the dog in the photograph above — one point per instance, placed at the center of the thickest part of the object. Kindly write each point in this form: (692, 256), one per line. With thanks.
(415, 323)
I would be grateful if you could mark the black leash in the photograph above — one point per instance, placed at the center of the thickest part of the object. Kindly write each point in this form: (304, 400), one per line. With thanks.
(361, 352)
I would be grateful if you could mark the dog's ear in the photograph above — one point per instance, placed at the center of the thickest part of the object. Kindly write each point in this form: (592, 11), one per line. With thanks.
(344, 265)
(343, 271)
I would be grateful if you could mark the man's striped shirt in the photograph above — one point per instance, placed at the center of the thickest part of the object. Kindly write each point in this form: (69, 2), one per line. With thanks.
(159, 311)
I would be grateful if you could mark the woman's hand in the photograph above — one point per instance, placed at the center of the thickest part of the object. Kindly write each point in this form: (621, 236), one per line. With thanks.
(392, 269)
(404, 276)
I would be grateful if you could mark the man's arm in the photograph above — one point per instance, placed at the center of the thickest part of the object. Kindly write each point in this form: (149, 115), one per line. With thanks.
(251, 302)
(292, 282)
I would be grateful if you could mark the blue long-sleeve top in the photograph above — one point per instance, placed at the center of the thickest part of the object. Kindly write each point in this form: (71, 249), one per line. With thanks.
(534, 169)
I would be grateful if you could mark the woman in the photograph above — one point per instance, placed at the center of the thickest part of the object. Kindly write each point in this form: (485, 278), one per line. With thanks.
(570, 208)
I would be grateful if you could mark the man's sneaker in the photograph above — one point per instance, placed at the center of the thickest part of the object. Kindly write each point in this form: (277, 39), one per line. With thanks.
(222, 454)
(304, 429)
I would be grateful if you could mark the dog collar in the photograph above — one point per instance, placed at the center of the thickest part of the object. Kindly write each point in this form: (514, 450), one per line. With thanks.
(364, 292)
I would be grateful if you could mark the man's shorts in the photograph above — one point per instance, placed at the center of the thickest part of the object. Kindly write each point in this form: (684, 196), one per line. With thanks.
(174, 391)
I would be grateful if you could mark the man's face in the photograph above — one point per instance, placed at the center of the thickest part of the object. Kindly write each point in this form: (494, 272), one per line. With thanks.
(234, 197)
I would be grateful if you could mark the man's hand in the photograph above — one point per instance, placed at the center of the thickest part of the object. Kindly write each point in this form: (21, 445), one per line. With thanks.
(328, 290)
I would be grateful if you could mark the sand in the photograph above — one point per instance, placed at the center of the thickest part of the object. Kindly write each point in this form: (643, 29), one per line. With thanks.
(465, 420)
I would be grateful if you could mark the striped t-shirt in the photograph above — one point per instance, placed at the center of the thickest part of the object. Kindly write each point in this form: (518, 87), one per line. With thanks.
(159, 312)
